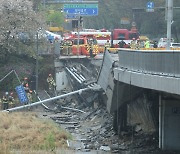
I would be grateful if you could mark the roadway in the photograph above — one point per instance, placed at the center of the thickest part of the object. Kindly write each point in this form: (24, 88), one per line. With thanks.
(157, 70)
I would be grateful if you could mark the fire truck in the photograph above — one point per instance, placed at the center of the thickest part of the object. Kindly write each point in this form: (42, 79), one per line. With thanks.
(114, 37)
(85, 46)
(123, 34)
(101, 37)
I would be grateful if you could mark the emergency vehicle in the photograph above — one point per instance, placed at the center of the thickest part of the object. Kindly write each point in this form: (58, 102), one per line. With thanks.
(85, 45)
(101, 37)
(162, 43)
(124, 34)
(114, 37)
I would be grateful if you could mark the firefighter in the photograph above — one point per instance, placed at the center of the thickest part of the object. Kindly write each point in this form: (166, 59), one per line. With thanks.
(5, 101)
(133, 44)
(121, 44)
(138, 44)
(26, 88)
(30, 98)
(29, 95)
(147, 44)
(107, 45)
(155, 45)
(25, 82)
(91, 48)
(11, 100)
(66, 47)
(51, 82)
(69, 44)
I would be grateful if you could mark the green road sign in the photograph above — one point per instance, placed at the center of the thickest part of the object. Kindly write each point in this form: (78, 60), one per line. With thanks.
(81, 9)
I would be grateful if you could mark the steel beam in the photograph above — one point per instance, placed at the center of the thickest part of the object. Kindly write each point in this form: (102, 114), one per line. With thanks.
(73, 75)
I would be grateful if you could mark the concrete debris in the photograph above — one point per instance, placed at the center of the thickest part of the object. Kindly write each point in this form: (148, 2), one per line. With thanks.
(96, 127)
(105, 148)
(95, 87)
(61, 118)
(67, 143)
(76, 145)
(85, 150)
(87, 128)
(68, 108)
(93, 118)
(63, 122)
(92, 129)
(89, 122)
(118, 147)
(138, 128)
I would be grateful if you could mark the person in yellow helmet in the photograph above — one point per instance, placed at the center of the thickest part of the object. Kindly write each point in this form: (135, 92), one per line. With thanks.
(107, 45)
(133, 44)
(11, 100)
(25, 82)
(138, 44)
(51, 82)
(91, 47)
(29, 95)
(5, 101)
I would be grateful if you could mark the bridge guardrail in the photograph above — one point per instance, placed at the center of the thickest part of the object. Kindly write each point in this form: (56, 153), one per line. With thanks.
(166, 62)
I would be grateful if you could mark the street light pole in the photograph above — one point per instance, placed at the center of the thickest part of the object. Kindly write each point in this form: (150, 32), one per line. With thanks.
(37, 62)
(78, 27)
(169, 20)
(44, 4)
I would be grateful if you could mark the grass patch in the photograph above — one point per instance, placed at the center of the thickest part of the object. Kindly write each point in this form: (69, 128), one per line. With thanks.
(25, 131)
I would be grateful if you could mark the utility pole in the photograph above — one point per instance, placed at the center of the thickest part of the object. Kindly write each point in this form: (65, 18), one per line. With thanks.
(169, 9)
(44, 4)
(78, 27)
(37, 62)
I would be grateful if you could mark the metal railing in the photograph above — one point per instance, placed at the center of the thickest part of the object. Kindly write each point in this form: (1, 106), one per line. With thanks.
(166, 62)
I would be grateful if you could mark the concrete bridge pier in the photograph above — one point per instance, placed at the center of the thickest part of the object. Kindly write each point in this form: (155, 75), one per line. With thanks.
(169, 123)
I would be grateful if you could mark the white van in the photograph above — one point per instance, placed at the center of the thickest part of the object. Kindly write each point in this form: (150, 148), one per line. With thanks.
(163, 42)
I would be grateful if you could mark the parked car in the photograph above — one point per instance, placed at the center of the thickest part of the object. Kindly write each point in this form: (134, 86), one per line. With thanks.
(163, 42)
(175, 45)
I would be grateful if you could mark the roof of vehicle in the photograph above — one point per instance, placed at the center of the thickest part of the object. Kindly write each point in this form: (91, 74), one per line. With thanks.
(165, 40)
(175, 45)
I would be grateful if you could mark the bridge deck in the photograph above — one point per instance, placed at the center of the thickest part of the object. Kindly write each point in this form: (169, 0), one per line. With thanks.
(158, 70)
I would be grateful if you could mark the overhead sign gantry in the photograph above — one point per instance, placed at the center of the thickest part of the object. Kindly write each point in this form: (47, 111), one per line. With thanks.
(82, 9)
(67, 1)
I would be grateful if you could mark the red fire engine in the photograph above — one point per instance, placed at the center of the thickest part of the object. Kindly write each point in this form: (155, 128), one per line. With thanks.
(101, 37)
(123, 34)
(85, 45)
(115, 36)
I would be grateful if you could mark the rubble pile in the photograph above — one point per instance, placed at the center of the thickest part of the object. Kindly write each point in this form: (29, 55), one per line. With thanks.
(91, 128)
(85, 116)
